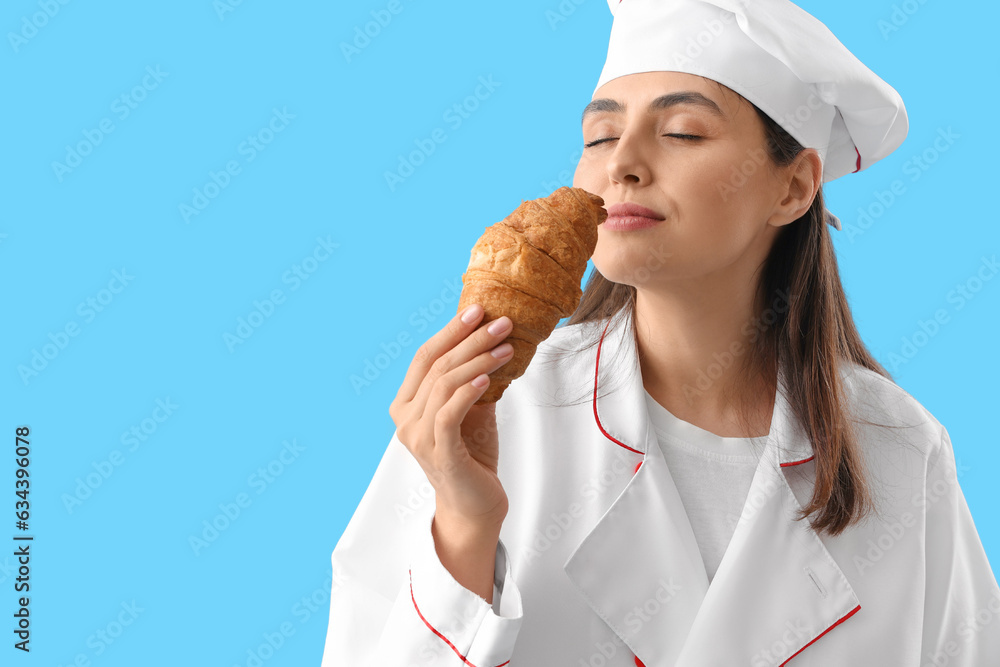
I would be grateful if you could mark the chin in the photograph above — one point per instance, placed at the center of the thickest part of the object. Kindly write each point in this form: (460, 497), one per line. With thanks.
(633, 263)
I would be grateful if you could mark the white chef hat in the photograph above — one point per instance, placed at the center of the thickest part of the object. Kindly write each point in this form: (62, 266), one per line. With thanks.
(777, 56)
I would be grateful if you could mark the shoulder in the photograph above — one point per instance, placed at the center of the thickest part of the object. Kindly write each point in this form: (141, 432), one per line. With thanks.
(561, 371)
(568, 350)
(884, 412)
(572, 339)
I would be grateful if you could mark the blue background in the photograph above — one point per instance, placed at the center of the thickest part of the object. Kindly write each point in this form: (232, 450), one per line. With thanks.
(400, 251)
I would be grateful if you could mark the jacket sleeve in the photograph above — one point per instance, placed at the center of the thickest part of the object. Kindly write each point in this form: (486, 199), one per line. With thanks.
(393, 604)
(962, 600)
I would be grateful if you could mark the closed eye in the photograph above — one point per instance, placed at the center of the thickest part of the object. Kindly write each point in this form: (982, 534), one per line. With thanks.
(686, 137)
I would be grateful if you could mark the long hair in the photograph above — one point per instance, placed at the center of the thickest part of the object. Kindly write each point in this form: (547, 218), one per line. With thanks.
(813, 337)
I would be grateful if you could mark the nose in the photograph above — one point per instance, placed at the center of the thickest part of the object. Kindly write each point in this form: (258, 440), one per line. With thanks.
(627, 163)
(626, 169)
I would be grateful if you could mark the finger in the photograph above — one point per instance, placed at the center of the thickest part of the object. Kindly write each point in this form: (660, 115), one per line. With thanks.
(454, 380)
(445, 339)
(449, 385)
(481, 342)
(449, 449)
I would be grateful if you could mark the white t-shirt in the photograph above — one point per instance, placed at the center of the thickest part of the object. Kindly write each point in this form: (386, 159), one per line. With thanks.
(712, 474)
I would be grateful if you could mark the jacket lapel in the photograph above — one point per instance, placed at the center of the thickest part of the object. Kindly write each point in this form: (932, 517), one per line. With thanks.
(639, 568)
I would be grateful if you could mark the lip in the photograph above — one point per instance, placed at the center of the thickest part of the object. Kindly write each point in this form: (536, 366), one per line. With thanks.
(625, 216)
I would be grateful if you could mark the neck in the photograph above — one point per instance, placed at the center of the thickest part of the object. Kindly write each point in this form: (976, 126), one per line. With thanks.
(692, 337)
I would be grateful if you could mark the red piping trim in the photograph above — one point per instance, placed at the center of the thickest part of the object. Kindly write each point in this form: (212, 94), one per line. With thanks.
(795, 463)
(858, 167)
(438, 633)
(849, 614)
(597, 418)
(597, 366)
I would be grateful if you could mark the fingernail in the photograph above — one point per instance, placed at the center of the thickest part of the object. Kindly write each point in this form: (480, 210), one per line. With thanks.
(502, 351)
(499, 326)
(470, 314)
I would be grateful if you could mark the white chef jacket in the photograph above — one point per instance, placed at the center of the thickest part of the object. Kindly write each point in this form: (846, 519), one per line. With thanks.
(597, 563)
(712, 474)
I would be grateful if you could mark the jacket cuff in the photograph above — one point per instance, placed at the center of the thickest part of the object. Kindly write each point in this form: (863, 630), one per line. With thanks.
(505, 606)
(459, 624)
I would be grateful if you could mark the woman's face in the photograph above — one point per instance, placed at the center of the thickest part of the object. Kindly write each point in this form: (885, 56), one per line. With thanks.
(698, 159)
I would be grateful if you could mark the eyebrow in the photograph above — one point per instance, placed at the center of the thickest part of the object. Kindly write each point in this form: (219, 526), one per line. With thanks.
(662, 102)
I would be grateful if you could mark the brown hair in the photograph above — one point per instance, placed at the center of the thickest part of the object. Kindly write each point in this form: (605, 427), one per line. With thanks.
(813, 336)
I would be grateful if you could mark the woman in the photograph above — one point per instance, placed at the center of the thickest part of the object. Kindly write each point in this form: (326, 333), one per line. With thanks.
(705, 466)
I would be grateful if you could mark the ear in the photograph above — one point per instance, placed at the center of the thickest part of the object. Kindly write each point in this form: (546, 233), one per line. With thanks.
(800, 181)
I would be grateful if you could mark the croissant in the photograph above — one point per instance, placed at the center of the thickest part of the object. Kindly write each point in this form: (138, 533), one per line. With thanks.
(528, 267)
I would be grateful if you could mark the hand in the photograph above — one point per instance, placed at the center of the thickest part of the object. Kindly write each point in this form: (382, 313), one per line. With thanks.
(454, 440)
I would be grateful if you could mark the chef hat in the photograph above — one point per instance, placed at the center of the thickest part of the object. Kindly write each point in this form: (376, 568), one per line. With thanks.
(777, 56)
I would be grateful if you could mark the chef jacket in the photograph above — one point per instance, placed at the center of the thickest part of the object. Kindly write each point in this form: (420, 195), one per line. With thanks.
(712, 474)
(597, 564)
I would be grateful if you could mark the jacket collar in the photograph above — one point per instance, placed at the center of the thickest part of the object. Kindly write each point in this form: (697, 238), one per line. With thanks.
(777, 589)
(620, 413)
